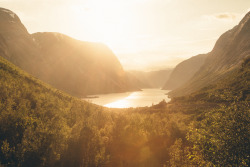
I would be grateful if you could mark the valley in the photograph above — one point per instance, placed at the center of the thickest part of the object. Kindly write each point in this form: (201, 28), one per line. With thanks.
(66, 102)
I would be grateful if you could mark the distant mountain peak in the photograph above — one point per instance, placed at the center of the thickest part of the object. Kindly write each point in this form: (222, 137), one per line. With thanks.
(245, 18)
(8, 15)
(9, 12)
(10, 23)
(245, 22)
(227, 55)
(77, 67)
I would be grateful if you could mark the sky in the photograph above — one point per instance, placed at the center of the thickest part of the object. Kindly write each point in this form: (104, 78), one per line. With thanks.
(144, 34)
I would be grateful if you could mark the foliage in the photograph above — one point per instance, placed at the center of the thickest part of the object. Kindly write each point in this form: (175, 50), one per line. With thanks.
(223, 136)
(235, 86)
(37, 122)
(218, 136)
(41, 126)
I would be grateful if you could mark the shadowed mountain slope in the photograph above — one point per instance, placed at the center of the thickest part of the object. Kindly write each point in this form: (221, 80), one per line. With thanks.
(228, 53)
(77, 67)
(81, 67)
(184, 71)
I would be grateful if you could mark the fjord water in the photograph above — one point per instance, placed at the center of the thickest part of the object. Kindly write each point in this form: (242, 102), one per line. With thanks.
(145, 97)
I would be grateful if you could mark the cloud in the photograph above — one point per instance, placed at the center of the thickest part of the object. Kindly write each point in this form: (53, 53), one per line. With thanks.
(230, 16)
(226, 16)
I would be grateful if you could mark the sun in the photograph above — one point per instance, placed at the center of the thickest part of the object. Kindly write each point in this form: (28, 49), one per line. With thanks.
(109, 21)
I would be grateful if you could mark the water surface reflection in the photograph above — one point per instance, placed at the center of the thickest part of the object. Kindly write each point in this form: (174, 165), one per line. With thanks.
(143, 98)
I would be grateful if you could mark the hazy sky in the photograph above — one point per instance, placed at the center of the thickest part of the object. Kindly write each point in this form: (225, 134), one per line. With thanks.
(144, 34)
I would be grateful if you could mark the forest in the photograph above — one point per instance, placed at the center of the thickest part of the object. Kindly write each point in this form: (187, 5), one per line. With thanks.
(42, 126)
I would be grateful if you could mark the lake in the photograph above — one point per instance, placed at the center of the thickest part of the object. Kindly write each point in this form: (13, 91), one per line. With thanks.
(143, 98)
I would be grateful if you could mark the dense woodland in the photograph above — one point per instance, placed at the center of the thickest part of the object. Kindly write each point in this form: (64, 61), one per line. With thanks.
(41, 126)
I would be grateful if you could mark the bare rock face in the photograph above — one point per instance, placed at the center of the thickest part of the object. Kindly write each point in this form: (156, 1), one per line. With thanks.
(228, 53)
(74, 66)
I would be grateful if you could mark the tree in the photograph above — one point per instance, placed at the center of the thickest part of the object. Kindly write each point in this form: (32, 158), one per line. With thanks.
(222, 138)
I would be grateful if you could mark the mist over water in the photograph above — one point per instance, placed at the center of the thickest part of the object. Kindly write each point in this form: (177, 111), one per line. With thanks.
(143, 98)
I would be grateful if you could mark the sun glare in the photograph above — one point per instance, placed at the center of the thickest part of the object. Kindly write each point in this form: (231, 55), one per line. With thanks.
(110, 24)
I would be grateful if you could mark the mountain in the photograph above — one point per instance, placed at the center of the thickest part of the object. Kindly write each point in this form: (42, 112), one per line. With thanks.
(184, 72)
(16, 44)
(80, 67)
(39, 123)
(74, 66)
(228, 53)
(234, 87)
(42, 126)
(152, 79)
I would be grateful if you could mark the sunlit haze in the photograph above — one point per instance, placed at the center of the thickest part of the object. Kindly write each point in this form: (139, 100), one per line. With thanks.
(144, 34)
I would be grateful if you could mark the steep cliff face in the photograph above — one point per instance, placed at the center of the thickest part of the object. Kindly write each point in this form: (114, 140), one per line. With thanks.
(77, 67)
(228, 53)
(184, 72)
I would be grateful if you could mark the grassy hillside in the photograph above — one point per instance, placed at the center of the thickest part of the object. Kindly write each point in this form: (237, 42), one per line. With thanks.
(218, 136)
(37, 122)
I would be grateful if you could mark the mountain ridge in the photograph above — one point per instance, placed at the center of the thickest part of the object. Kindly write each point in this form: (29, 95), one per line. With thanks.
(74, 66)
(228, 53)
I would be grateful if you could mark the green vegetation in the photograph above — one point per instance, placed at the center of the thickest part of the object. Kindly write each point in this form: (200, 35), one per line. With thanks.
(41, 126)
(37, 123)
(222, 137)
(233, 87)
(218, 136)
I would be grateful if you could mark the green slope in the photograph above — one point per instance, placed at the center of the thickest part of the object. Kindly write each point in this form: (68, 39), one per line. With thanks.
(37, 122)
(233, 87)
(41, 126)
